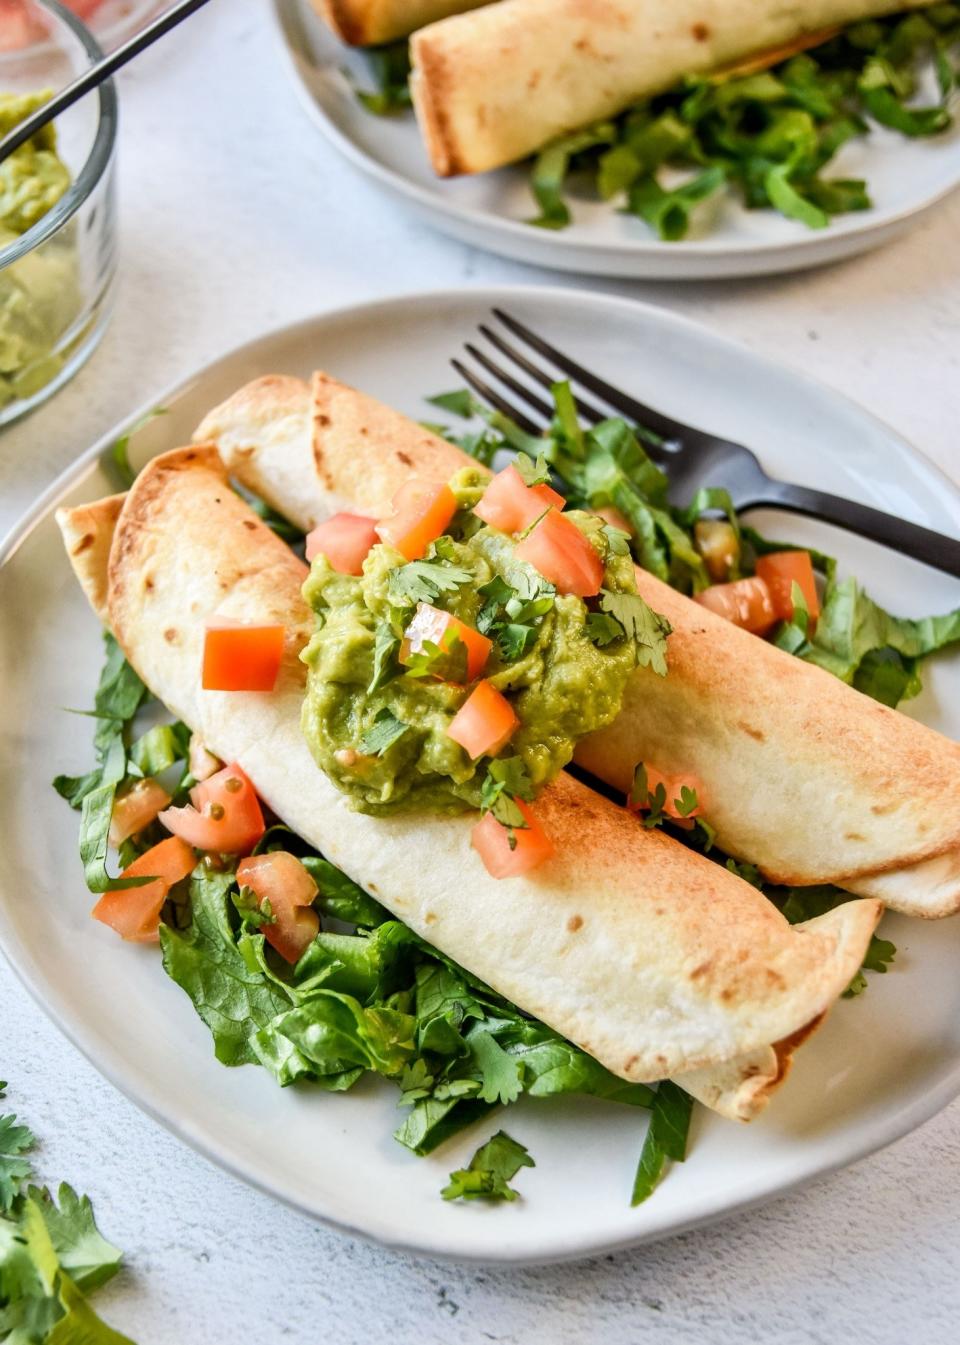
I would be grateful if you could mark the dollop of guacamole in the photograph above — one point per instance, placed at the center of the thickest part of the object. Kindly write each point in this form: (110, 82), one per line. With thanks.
(561, 682)
(40, 294)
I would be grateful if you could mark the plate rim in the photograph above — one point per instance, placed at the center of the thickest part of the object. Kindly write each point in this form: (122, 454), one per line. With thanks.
(873, 1135)
(868, 230)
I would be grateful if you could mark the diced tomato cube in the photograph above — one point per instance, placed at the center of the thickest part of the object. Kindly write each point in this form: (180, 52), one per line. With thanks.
(746, 603)
(242, 658)
(136, 809)
(430, 625)
(510, 505)
(134, 912)
(225, 817)
(491, 840)
(562, 554)
(780, 571)
(345, 540)
(484, 723)
(280, 878)
(422, 511)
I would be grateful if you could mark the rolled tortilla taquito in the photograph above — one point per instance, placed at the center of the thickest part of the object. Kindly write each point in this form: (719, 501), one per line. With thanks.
(801, 775)
(494, 86)
(367, 23)
(649, 956)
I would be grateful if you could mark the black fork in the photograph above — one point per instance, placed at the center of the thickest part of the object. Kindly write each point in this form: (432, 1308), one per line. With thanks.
(690, 457)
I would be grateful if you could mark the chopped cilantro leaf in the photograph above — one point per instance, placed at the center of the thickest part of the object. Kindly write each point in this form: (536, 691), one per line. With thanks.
(603, 629)
(647, 628)
(501, 1074)
(385, 649)
(532, 473)
(384, 732)
(424, 581)
(490, 1172)
(15, 1141)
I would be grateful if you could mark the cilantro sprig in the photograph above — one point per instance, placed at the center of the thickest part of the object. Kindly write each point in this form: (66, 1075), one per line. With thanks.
(51, 1253)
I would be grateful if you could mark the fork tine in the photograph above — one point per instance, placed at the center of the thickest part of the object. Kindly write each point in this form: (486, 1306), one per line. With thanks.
(585, 410)
(500, 403)
(629, 406)
(518, 389)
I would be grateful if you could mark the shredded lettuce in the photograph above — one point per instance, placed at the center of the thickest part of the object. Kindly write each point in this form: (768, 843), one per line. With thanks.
(769, 135)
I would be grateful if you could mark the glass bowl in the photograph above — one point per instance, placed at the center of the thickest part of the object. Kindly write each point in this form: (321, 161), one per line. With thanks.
(56, 280)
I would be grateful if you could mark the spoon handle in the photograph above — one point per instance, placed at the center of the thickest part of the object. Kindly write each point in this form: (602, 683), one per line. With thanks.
(97, 73)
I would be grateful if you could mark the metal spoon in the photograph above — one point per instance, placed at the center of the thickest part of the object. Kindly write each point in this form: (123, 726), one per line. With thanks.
(96, 74)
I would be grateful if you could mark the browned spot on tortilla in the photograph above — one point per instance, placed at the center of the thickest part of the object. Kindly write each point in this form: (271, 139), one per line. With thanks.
(880, 808)
(757, 734)
(775, 978)
(702, 970)
(534, 80)
(148, 583)
(574, 923)
(854, 836)
(372, 887)
(629, 1064)
(171, 635)
(405, 458)
(430, 918)
(250, 523)
(727, 994)
(701, 32)
(84, 544)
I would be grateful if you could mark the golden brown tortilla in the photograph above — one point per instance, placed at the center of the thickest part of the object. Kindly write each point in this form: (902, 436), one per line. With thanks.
(493, 86)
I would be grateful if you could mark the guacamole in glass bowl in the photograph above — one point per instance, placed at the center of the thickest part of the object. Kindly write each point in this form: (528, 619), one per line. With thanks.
(57, 219)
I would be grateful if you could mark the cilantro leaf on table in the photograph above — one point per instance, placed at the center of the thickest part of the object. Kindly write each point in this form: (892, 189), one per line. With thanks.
(51, 1253)
(383, 733)
(15, 1169)
(665, 1140)
(490, 1172)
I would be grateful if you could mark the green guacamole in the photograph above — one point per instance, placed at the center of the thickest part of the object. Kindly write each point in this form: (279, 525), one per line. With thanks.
(561, 682)
(34, 177)
(39, 294)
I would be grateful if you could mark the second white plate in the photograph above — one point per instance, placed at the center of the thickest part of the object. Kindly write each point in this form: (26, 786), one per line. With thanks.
(906, 178)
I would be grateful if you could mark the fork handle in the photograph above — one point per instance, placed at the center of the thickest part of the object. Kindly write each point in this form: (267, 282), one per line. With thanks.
(933, 548)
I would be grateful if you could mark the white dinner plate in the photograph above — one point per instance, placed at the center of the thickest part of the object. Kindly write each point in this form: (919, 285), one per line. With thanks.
(882, 1064)
(906, 178)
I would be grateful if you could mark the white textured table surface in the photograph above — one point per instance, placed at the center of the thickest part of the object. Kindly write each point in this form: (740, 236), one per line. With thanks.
(236, 218)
